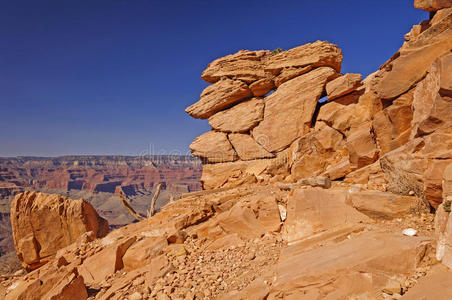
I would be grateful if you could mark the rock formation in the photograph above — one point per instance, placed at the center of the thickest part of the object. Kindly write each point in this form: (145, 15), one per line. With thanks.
(43, 224)
(381, 124)
(345, 198)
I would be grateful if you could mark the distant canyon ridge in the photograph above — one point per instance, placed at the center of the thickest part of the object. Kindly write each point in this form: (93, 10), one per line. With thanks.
(98, 179)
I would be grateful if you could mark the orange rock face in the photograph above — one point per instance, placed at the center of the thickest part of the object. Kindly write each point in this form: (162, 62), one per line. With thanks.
(43, 223)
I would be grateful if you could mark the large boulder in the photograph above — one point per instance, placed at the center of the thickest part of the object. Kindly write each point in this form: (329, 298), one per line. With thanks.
(212, 147)
(247, 148)
(381, 205)
(316, 210)
(377, 256)
(392, 126)
(244, 65)
(290, 109)
(239, 118)
(44, 223)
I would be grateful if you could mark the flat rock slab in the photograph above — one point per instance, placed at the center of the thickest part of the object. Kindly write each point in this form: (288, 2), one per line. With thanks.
(318, 54)
(310, 211)
(367, 253)
(239, 118)
(218, 96)
(437, 286)
(244, 65)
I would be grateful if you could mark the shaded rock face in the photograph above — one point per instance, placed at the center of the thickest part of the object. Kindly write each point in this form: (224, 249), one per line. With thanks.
(43, 224)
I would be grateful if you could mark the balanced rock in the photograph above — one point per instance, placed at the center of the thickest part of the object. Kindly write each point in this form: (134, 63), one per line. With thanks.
(44, 223)
(218, 96)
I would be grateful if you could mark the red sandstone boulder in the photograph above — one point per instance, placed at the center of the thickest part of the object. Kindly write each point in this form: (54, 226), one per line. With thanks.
(213, 147)
(239, 118)
(44, 223)
(432, 5)
(432, 104)
(244, 65)
(262, 87)
(218, 96)
(318, 54)
(343, 85)
(290, 109)
(247, 148)
(316, 210)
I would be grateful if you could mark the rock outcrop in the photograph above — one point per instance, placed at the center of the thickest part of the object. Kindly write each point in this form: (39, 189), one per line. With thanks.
(43, 224)
(394, 118)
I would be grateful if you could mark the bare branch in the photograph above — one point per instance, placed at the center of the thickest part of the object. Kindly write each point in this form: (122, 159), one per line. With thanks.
(151, 211)
(129, 207)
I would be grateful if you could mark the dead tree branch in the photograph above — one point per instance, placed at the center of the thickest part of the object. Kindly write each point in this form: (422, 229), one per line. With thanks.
(129, 207)
(151, 211)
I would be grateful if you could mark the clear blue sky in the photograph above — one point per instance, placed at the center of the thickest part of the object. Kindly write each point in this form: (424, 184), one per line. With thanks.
(114, 76)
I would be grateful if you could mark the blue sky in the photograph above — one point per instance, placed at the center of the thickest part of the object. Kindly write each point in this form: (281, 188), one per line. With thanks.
(114, 76)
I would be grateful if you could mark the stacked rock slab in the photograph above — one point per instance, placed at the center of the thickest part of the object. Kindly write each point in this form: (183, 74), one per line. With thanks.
(250, 130)
(391, 131)
(43, 224)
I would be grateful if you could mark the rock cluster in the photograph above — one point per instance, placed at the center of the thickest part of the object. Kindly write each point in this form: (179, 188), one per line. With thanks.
(383, 131)
(238, 244)
(42, 224)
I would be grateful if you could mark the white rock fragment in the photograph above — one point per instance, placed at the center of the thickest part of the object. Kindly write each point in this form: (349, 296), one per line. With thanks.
(409, 232)
(282, 212)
